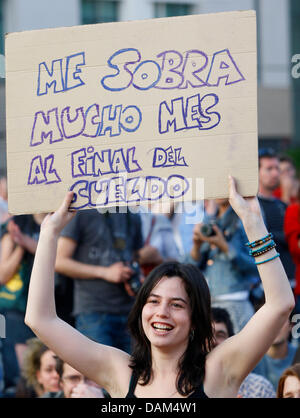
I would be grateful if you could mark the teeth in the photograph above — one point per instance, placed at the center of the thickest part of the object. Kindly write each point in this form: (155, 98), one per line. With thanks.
(161, 326)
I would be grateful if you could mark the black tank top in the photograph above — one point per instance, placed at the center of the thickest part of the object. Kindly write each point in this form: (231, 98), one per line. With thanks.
(198, 392)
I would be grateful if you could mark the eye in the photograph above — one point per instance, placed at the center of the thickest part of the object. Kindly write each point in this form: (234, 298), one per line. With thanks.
(177, 305)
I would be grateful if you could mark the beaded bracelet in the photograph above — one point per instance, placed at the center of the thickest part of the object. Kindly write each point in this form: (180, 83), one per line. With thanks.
(263, 250)
(260, 241)
(269, 259)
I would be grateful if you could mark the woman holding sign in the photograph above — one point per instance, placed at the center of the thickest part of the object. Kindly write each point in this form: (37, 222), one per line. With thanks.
(170, 322)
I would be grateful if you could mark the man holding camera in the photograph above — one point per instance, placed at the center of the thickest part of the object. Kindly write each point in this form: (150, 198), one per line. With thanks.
(220, 252)
(99, 251)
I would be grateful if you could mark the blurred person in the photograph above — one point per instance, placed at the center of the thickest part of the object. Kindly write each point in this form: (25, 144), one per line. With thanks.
(254, 385)
(183, 217)
(18, 243)
(3, 188)
(4, 215)
(225, 262)
(170, 322)
(96, 250)
(222, 325)
(88, 389)
(288, 183)
(274, 209)
(64, 297)
(279, 356)
(73, 384)
(24, 390)
(39, 368)
(1, 374)
(292, 235)
(158, 236)
(297, 355)
(289, 383)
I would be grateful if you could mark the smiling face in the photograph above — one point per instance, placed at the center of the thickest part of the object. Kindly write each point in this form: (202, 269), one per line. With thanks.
(166, 315)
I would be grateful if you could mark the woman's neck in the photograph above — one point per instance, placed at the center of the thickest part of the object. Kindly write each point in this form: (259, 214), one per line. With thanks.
(165, 362)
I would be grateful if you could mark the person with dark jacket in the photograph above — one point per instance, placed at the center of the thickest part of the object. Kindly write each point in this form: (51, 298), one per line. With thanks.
(273, 209)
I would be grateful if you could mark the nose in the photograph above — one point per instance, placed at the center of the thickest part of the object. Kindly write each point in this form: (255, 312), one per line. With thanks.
(163, 310)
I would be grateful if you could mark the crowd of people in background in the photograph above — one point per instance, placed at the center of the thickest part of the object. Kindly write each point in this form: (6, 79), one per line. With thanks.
(103, 257)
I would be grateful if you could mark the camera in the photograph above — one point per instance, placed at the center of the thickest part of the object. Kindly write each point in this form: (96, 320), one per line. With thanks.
(207, 230)
(135, 280)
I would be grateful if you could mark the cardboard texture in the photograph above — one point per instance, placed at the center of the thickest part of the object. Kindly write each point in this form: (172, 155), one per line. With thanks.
(131, 112)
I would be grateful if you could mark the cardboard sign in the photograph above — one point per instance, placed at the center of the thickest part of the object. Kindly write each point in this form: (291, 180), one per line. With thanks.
(134, 112)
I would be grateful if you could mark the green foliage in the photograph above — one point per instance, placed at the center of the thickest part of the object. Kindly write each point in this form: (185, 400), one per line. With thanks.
(294, 153)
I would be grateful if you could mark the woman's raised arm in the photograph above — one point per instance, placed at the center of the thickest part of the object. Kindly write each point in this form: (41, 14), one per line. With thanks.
(242, 352)
(99, 363)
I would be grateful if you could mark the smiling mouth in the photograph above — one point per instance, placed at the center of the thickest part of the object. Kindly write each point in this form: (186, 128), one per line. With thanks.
(161, 327)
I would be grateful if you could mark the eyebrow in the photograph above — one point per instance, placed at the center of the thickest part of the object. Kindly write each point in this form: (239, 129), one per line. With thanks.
(71, 376)
(157, 296)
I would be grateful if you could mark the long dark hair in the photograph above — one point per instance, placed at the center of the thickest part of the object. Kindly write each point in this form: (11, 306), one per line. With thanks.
(192, 363)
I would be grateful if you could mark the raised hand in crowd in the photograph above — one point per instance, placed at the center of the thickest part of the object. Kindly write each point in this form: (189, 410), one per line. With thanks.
(25, 241)
(170, 323)
(84, 390)
(216, 240)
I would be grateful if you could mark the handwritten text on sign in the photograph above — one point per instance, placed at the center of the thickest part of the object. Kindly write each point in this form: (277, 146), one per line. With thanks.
(173, 71)
(130, 112)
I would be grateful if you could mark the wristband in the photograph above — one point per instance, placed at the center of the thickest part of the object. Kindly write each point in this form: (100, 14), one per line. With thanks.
(269, 259)
(263, 250)
(260, 241)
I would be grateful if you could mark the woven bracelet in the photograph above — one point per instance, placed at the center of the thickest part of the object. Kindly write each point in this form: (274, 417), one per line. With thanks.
(258, 253)
(260, 241)
(269, 259)
(263, 250)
